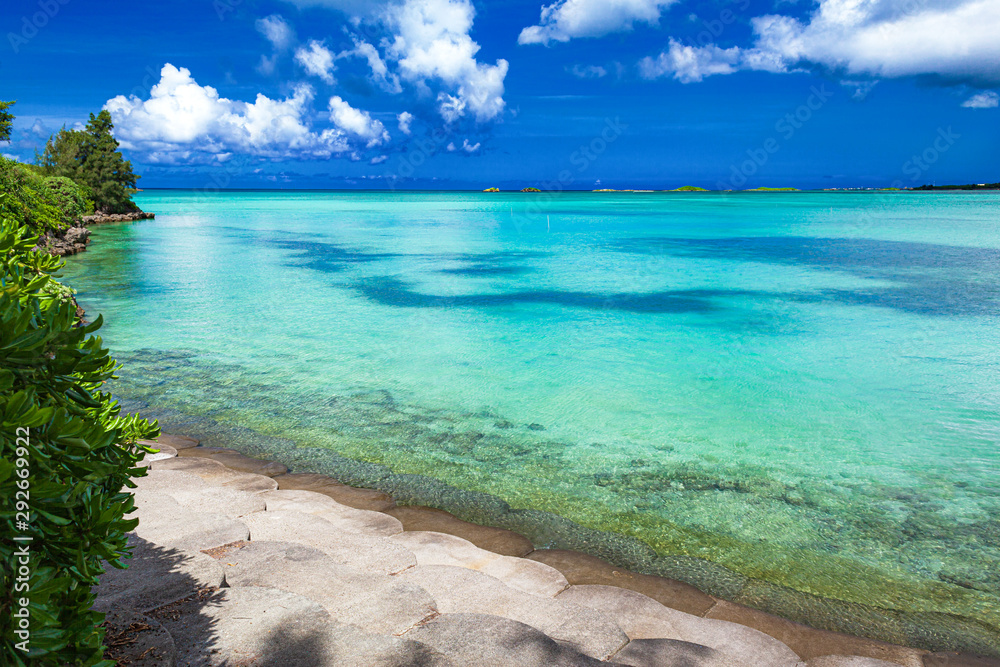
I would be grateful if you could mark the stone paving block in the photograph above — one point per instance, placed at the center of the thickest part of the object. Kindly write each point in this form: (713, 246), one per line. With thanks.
(376, 603)
(458, 590)
(642, 617)
(811, 643)
(362, 499)
(155, 576)
(497, 540)
(235, 460)
(217, 474)
(370, 553)
(250, 625)
(673, 653)
(163, 521)
(492, 641)
(348, 518)
(582, 569)
(520, 573)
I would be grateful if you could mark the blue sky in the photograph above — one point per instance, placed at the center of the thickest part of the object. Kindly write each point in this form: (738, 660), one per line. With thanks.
(575, 94)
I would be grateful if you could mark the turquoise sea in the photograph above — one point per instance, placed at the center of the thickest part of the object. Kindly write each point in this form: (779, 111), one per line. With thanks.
(789, 399)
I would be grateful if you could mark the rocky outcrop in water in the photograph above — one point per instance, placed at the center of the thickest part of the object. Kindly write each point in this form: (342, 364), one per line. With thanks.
(66, 242)
(117, 217)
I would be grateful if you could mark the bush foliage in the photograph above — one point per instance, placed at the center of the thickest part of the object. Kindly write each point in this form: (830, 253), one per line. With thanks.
(81, 453)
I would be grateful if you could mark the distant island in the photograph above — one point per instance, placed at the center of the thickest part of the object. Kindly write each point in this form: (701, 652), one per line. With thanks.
(971, 186)
(492, 190)
(690, 188)
(529, 190)
(772, 190)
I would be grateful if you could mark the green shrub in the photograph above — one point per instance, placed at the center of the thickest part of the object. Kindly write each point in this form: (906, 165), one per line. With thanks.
(73, 199)
(80, 452)
(28, 201)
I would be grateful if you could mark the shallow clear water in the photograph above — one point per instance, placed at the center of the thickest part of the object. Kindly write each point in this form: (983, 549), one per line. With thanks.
(800, 387)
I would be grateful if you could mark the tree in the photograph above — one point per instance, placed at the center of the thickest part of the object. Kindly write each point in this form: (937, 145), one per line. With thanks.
(91, 157)
(6, 120)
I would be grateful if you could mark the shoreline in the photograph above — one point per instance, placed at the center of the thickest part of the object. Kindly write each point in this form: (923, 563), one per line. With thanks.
(795, 618)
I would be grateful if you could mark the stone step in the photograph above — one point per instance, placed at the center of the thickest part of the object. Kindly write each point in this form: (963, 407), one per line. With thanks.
(580, 568)
(376, 603)
(809, 642)
(137, 640)
(234, 460)
(344, 517)
(641, 617)
(251, 625)
(673, 652)
(217, 474)
(362, 499)
(165, 522)
(525, 575)
(458, 590)
(482, 640)
(371, 553)
(155, 576)
(497, 540)
(197, 495)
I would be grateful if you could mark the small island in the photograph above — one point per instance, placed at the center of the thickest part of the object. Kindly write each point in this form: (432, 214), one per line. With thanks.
(530, 190)
(690, 188)
(772, 190)
(492, 190)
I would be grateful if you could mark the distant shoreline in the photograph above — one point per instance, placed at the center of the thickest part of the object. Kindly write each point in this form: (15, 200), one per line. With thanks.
(678, 191)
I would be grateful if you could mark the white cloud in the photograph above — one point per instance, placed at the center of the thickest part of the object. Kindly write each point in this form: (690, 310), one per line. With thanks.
(470, 148)
(984, 100)
(267, 66)
(431, 43)
(381, 75)
(688, 64)
(317, 60)
(955, 40)
(277, 31)
(588, 71)
(378, 159)
(565, 19)
(357, 122)
(184, 121)
(405, 121)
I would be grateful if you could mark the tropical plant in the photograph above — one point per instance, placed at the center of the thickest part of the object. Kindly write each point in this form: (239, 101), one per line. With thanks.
(66, 455)
(91, 157)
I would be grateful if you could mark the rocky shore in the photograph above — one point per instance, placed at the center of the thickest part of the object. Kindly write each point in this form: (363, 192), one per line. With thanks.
(240, 561)
(98, 218)
(74, 239)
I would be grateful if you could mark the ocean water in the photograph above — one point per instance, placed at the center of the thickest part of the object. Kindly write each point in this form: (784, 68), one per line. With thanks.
(799, 392)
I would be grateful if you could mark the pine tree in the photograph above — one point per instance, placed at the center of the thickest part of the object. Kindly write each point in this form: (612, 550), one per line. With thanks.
(6, 120)
(91, 157)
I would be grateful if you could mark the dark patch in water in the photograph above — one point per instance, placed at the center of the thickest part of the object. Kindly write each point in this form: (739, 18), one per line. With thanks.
(930, 278)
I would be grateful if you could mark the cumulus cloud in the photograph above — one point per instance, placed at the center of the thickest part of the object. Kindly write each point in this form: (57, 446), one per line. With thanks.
(183, 120)
(565, 19)
(984, 100)
(277, 31)
(357, 122)
(955, 40)
(688, 64)
(405, 121)
(317, 60)
(431, 42)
